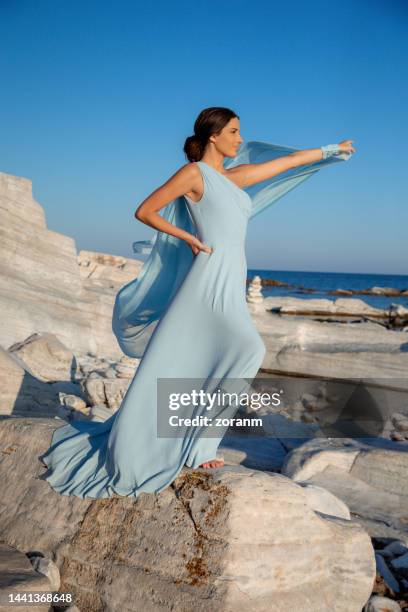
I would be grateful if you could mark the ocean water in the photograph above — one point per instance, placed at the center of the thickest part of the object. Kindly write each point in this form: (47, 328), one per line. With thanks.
(322, 282)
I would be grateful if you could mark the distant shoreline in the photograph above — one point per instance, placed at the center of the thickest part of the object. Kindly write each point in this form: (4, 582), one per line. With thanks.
(380, 290)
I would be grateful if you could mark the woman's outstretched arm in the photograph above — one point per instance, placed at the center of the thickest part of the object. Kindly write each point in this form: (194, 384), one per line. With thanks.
(258, 172)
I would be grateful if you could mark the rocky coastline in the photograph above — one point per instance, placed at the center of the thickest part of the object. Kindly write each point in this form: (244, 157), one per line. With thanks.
(296, 519)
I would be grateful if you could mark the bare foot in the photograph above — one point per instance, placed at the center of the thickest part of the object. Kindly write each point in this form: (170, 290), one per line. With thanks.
(214, 463)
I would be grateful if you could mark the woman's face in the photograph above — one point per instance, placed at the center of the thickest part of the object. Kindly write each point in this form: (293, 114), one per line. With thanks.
(229, 139)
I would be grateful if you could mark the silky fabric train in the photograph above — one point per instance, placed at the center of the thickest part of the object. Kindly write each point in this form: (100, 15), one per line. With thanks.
(186, 317)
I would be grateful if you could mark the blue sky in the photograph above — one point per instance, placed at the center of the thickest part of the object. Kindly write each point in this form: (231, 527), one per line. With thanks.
(99, 96)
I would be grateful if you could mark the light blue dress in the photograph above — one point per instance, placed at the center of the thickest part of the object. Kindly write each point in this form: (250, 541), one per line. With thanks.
(187, 318)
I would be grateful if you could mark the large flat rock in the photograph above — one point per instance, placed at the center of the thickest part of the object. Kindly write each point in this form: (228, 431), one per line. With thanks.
(371, 480)
(301, 346)
(231, 539)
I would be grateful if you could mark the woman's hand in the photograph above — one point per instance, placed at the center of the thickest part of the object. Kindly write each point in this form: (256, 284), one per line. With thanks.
(346, 146)
(197, 246)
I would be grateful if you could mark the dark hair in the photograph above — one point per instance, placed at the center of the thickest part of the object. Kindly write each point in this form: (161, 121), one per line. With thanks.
(210, 121)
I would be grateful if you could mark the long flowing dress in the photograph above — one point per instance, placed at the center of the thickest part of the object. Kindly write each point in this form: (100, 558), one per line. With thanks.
(187, 318)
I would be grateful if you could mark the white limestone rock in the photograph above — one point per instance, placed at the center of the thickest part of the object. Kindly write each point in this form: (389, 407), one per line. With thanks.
(125, 371)
(371, 480)
(109, 373)
(72, 401)
(45, 357)
(21, 393)
(212, 540)
(321, 500)
(400, 422)
(107, 270)
(107, 391)
(340, 306)
(334, 350)
(254, 292)
(45, 286)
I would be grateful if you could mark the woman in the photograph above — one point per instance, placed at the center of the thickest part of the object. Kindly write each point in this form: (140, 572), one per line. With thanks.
(185, 315)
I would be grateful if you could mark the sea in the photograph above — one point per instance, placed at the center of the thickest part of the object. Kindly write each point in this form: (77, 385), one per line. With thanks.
(301, 282)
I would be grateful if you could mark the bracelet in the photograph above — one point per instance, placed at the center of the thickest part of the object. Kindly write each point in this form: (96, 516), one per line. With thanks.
(329, 150)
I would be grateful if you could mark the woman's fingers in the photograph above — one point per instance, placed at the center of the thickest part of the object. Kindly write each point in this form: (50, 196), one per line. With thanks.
(347, 145)
(197, 246)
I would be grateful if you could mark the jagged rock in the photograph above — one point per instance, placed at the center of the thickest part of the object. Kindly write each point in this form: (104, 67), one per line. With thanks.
(17, 575)
(87, 368)
(397, 436)
(47, 567)
(400, 422)
(93, 375)
(399, 311)
(398, 315)
(72, 401)
(94, 389)
(107, 270)
(73, 408)
(45, 357)
(109, 373)
(108, 391)
(232, 536)
(313, 403)
(132, 362)
(53, 289)
(21, 393)
(65, 387)
(125, 371)
(370, 480)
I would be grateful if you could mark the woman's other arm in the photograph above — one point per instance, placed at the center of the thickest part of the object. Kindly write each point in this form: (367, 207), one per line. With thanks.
(187, 179)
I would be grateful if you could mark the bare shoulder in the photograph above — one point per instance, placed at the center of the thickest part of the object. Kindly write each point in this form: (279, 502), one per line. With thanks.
(190, 180)
(188, 171)
(185, 177)
(239, 174)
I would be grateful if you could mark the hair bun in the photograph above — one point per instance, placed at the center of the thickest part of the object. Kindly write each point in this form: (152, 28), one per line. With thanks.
(193, 148)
